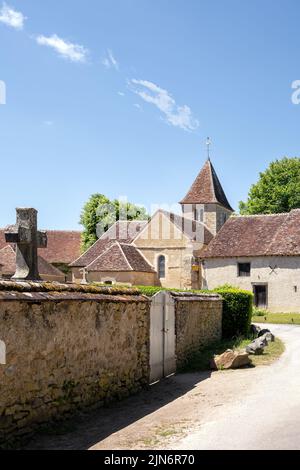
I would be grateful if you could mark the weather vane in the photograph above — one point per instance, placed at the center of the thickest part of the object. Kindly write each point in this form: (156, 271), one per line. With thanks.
(208, 144)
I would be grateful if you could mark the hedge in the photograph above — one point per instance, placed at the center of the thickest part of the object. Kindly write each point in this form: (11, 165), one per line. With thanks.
(237, 311)
(237, 307)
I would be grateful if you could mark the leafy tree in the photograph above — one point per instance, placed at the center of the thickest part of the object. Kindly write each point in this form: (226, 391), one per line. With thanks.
(99, 213)
(277, 190)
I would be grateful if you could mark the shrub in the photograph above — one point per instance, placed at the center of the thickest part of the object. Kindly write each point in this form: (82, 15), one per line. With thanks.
(152, 290)
(237, 311)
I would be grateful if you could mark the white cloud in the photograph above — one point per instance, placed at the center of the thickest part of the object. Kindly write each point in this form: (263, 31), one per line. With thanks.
(11, 17)
(178, 116)
(68, 50)
(110, 61)
(138, 106)
(120, 93)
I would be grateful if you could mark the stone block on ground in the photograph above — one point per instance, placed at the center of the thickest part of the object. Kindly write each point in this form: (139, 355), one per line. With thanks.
(265, 333)
(230, 360)
(257, 346)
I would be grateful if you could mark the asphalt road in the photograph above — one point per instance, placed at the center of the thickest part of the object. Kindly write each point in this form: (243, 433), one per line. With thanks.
(264, 416)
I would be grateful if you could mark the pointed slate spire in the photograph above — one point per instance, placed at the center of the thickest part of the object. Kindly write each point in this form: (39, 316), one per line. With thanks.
(207, 189)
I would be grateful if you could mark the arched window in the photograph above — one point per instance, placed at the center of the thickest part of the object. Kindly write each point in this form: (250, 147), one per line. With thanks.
(161, 267)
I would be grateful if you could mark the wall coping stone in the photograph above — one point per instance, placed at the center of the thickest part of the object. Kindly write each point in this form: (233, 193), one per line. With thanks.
(54, 291)
(188, 296)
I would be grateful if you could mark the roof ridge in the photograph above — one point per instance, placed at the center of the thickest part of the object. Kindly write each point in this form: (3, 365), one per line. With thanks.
(239, 216)
(125, 257)
(101, 254)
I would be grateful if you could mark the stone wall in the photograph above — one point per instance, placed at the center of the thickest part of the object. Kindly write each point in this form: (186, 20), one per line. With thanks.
(67, 350)
(198, 323)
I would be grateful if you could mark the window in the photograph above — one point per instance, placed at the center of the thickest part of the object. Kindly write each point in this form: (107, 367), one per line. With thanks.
(244, 269)
(161, 267)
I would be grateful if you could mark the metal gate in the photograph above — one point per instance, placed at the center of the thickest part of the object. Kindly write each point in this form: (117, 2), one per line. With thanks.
(162, 337)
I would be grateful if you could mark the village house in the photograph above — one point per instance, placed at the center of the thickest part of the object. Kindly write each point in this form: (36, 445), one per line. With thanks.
(260, 253)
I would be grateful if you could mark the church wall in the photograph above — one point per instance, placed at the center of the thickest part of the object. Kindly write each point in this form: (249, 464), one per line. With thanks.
(161, 237)
(283, 283)
(129, 277)
(215, 216)
(178, 265)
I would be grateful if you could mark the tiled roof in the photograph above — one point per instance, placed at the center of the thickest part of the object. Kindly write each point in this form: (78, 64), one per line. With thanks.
(123, 231)
(194, 230)
(207, 189)
(8, 260)
(258, 235)
(120, 257)
(63, 246)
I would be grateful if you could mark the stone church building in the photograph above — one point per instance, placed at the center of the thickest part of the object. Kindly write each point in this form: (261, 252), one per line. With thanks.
(204, 247)
(164, 251)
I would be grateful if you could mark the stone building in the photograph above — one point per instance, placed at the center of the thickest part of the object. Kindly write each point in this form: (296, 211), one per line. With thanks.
(166, 248)
(114, 259)
(260, 253)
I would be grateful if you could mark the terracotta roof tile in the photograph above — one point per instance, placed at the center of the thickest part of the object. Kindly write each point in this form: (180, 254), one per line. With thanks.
(120, 257)
(123, 231)
(63, 245)
(207, 189)
(8, 260)
(258, 235)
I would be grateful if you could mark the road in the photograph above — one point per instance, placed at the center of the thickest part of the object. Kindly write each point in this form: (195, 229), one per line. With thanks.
(256, 408)
(267, 416)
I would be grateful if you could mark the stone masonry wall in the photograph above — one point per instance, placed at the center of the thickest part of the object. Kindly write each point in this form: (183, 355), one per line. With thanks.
(198, 323)
(66, 351)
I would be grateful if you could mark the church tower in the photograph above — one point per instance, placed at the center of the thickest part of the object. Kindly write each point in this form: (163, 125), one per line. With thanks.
(206, 201)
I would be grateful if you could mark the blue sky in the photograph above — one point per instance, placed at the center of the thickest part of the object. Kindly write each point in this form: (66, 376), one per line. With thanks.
(118, 97)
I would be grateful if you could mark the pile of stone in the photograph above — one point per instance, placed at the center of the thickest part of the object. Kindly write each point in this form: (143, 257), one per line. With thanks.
(235, 359)
(262, 337)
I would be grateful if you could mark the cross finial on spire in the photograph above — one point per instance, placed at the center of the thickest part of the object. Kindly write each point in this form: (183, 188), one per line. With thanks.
(208, 144)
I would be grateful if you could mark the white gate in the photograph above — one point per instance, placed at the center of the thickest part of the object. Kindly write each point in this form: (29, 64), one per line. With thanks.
(162, 337)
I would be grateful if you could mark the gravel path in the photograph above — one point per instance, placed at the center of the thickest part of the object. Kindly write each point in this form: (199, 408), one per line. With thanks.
(243, 409)
(267, 416)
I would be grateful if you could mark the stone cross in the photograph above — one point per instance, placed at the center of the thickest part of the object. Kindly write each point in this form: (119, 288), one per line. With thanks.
(27, 239)
(84, 273)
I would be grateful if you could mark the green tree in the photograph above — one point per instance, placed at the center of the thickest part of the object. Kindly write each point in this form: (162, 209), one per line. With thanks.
(277, 190)
(99, 213)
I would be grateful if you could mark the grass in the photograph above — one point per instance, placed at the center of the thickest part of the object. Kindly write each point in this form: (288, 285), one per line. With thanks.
(262, 316)
(162, 433)
(201, 360)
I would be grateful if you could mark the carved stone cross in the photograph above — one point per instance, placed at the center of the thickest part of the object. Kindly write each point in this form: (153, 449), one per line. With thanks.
(27, 239)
